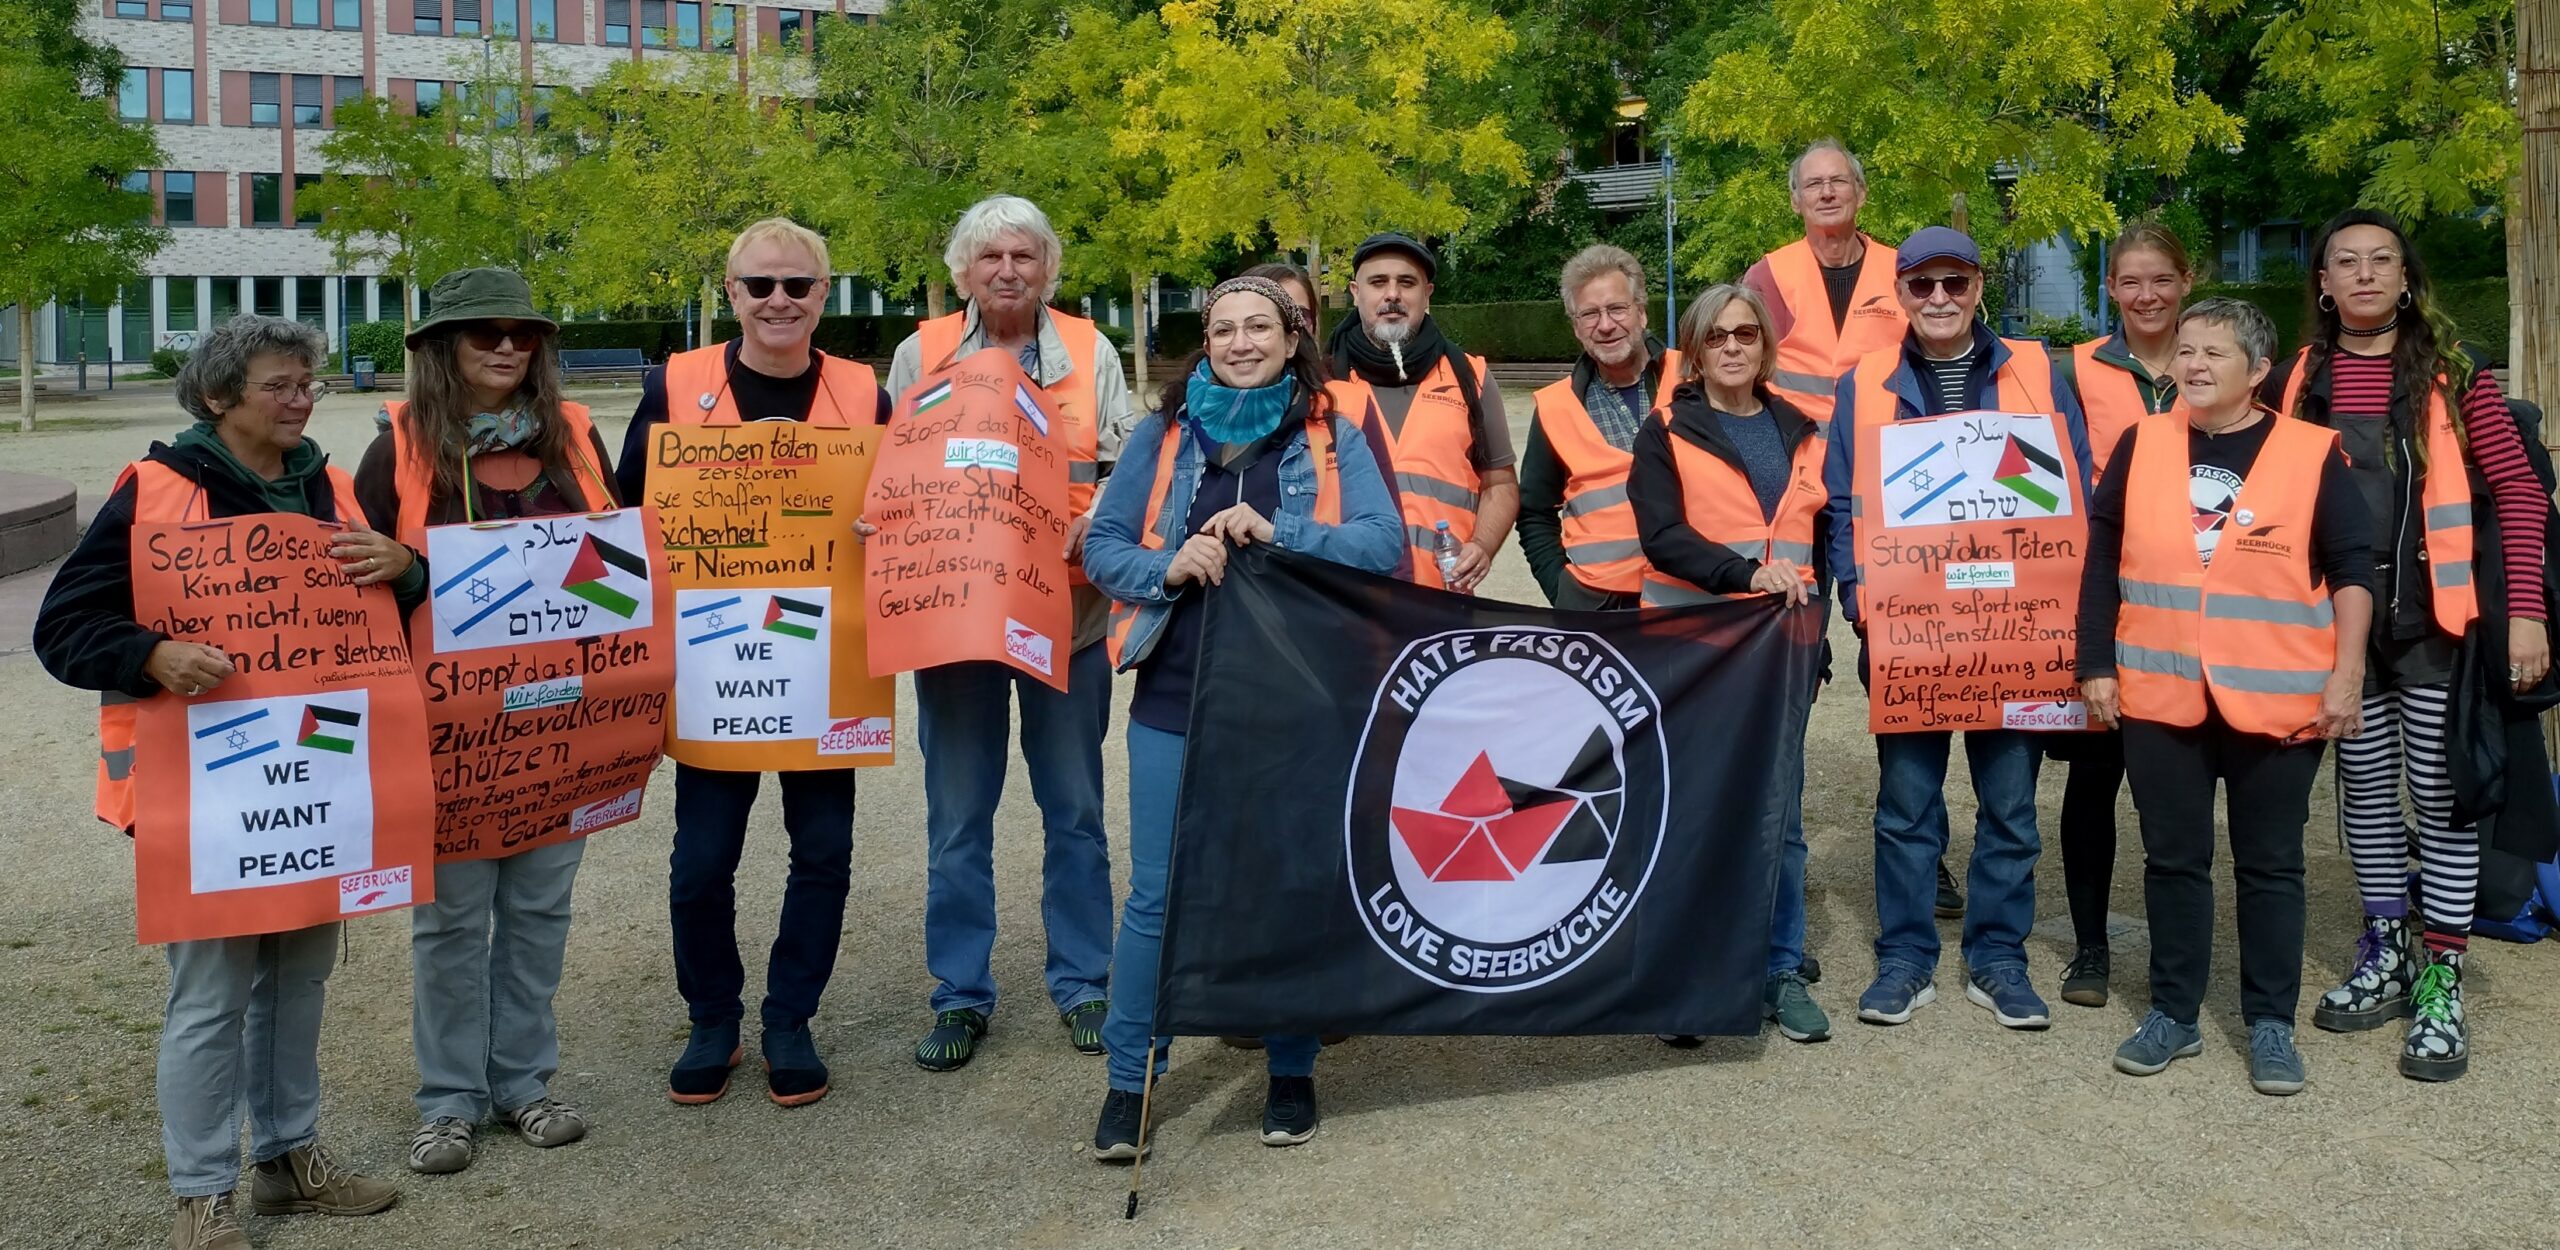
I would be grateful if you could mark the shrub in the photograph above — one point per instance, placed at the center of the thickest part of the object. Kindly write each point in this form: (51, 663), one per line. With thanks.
(167, 361)
(378, 340)
(2057, 332)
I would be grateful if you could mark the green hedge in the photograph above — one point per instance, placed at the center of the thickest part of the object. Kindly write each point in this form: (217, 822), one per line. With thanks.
(2477, 305)
(379, 340)
(1526, 330)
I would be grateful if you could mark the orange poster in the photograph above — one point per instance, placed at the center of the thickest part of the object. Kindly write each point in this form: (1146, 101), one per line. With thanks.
(758, 525)
(1969, 531)
(546, 650)
(971, 500)
(296, 792)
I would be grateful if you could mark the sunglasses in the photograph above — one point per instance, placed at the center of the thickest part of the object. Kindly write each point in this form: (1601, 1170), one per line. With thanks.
(1954, 284)
(489, 338)
(758, 285)
(1748, 336)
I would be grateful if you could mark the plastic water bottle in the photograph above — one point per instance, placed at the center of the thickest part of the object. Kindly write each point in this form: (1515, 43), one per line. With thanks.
(1444, 551)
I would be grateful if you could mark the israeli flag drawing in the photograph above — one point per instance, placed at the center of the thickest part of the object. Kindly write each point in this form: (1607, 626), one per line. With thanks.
(239, 738)
(1030, 408)
(482, 589)
(710, 622)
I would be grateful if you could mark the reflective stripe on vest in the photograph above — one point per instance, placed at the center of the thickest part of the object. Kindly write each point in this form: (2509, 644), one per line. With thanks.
(2025, 384)
(1815, 352)
(2446, 498)
(2110, 401)
(161, 496)
(1601, 548)
(1435, 471)
(413, 474)
(2254, 633)
(1717, 502)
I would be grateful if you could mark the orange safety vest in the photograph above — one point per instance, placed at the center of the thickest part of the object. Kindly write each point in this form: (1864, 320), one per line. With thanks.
(698, 390)
(937, 340)
(2110, 401)
(1815, 353)
(2025, 385)
(1601, 548)
(1157, 529)
(2255, 626)
(163, 496)
(414, 475)
(2446, 497)
(1717, 501)
(1436, 477)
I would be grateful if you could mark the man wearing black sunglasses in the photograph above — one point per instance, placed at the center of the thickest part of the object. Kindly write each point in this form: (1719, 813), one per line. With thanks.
(1948, 362)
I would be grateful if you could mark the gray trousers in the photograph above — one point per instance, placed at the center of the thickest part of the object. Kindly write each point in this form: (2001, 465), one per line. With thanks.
(243, 1026)
(485, 957)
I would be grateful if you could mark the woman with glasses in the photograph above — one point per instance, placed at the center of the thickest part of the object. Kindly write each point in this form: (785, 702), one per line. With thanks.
(1727, 487)
(1248, 448)
(2421, 421)
(484, 435)
(243, 1019)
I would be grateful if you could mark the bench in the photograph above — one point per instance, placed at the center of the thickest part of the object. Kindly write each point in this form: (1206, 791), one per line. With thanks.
(578, 360)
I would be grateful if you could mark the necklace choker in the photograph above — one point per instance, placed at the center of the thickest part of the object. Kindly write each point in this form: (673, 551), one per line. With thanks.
(2385, 328)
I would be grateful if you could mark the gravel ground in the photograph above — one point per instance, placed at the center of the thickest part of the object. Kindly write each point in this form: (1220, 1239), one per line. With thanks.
(1948, 1131)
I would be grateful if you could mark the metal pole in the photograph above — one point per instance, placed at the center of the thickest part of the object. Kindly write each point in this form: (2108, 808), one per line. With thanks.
(1670, 250)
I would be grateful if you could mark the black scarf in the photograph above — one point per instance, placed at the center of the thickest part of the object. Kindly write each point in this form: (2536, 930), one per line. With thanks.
(1355, 354)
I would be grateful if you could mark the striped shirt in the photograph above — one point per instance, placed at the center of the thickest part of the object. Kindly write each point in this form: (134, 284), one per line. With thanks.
(2361, 386)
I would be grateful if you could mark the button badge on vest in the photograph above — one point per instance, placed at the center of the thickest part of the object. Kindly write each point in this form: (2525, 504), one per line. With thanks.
(708, 401)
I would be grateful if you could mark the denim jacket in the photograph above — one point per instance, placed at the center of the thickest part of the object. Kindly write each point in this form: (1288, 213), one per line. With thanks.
(1371, 535)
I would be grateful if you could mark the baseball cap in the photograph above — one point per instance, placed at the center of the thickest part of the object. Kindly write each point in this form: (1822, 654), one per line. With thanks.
(1936, 243)
(1393, 242)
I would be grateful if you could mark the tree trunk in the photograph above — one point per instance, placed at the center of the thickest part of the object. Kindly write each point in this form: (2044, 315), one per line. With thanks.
(710, 298)
(1315, 278)
(2533, 222)
(26, 364)
(1138, 283)
(1960, 214)
(408, 359)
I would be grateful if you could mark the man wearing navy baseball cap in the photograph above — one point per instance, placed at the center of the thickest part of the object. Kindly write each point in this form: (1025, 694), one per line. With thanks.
(1948, 362)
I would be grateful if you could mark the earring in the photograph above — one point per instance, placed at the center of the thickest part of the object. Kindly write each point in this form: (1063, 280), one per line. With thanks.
(2404, 297)
(2326, 304)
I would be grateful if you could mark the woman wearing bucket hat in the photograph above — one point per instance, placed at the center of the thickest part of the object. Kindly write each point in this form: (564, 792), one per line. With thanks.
(485, 435)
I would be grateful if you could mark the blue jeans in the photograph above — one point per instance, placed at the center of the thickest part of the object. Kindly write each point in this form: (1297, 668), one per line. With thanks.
(702, 895)
(1786, 912)
(242, 1033)
(485, 959)
(962, 714)
(1155, 775)
(1911, 836)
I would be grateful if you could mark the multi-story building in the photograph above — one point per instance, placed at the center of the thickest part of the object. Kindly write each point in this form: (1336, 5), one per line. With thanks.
(242, 93)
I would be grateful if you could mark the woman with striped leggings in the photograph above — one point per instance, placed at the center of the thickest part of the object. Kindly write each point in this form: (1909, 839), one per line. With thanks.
(2421, 423)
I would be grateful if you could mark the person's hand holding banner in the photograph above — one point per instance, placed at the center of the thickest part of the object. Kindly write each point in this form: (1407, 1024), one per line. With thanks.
(187, 668)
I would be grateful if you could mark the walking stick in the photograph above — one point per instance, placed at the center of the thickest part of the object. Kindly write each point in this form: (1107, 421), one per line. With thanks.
(1146, 1095)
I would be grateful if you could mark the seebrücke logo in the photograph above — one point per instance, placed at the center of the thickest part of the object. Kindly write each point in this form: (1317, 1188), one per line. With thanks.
(1506, 805)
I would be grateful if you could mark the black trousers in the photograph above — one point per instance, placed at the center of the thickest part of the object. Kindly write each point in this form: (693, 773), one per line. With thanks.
(2268, 785)
(702, 897)
(2089, 831)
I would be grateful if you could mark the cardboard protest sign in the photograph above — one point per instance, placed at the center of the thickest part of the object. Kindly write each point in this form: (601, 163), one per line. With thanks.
(758, 525)
(1970, 529)
(546, 650)
(971, 501)
(297, 791)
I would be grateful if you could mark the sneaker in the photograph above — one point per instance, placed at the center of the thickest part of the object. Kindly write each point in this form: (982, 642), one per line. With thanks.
(794, 1075)
(1786, 1000)
(1084, 1025)
(2438, 1048)
(1115, 1135)
(2084, 983)
(308, 1181)
(207, 1224)
(441, 1146)
(547, 1122)
(1950, 899)
(701, 1074)
(1897, 993)
(2275, 1067)
(1289, 1111)
(2159, 1040)
(1812, 970)
(2006, 993)
(2377, 991)
(953, 1040)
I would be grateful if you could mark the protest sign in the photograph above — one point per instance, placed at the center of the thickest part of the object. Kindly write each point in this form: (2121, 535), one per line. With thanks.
(971, 503)
(757, 520)
(1969, 530)
(296, 792)
(547, 659)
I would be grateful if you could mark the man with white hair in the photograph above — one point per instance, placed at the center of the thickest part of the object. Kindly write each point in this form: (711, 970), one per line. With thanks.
(1830, 293)
(1577, 526)
(1004, 260)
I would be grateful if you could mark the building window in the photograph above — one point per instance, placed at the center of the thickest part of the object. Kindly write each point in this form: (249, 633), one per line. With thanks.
(430, 97)
(226, 302)
(348, 91)
(792, 23)
(133, 96)
(542, 107)
(306, 12)
(306, 99)
(311, 301)
(387, 297)
(178, 198)
(688, 24)
(138, 182)
(346, 14)
(264, 106)
(617, 23)
(262, 12)
(133, 8)
(266, 296)
(136, 300)
(724, 27)
(177, 10)
(177, 95)
(428, 15)
(266, 200)
(466, 17)
(182, 303)
(303, 216)
(546, 19)
(502, 18)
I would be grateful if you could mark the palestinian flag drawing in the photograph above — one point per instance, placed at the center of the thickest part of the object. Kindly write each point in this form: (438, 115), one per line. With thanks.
(327, 728)
(2031, 473)
(934, 398)
(797, 617)
(607, 576)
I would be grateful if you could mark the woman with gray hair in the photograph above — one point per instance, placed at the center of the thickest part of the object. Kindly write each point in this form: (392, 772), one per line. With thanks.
(2223, 611)
(243, 1018)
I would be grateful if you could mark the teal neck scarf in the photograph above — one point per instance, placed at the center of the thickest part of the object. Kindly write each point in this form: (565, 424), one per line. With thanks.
(1230, 416)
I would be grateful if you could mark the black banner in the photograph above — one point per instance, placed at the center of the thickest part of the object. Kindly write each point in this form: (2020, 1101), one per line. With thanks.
(1409, 811)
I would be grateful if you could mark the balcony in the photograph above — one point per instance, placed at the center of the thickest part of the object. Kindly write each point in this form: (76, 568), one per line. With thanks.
(1622, 188)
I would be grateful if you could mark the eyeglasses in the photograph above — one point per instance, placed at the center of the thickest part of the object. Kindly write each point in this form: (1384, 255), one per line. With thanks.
(1954, 284)
(2377, 264)
(284, 392)
(1616, 313)
(1748, 336)
(759, 285)
(1816, 186)
(488, 338)
(1258, 328)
